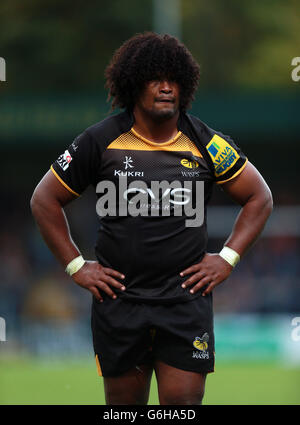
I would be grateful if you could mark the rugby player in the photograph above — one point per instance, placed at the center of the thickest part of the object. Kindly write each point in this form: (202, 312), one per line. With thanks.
(153, 279)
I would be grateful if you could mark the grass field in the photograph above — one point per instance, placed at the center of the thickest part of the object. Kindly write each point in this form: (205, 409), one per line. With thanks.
(67, 382)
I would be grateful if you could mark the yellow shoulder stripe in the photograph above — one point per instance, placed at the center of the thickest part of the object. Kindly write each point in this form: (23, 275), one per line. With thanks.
(236, 174)
(62, 182)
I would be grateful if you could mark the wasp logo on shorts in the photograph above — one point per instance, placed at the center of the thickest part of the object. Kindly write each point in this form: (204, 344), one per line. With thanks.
(189, 163)
(201, 344)
(223, 155)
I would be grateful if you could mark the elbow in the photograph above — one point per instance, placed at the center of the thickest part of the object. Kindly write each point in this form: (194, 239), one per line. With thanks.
(262, 202)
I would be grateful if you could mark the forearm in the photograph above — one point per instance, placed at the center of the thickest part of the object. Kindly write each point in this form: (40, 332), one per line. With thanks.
(249, 225)
(53, 226)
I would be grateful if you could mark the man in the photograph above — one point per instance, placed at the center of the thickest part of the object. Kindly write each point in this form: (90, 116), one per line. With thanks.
(152, 284)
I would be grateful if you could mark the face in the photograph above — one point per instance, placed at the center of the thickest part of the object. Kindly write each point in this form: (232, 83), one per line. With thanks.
(159, 100)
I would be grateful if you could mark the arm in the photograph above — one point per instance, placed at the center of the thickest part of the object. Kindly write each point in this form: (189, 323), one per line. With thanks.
(251, 191)
(47, 203)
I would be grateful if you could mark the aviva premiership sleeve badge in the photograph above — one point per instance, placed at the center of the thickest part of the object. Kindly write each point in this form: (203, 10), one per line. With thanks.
(223, 155)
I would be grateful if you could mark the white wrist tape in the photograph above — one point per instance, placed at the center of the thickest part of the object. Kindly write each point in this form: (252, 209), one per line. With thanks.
(229, 255)
(75, 265)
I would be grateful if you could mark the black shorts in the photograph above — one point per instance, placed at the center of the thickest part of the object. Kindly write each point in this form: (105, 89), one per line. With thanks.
(128, 334)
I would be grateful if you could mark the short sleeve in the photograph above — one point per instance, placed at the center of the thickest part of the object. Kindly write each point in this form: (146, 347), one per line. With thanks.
(76, 167)
(227, 158)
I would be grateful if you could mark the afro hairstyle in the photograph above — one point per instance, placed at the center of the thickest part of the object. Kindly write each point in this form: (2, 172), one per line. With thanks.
(149, 57)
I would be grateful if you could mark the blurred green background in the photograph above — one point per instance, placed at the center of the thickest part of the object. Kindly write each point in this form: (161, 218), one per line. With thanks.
(56, 53)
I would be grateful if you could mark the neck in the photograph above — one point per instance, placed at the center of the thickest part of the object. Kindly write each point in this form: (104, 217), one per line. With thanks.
(154, 131)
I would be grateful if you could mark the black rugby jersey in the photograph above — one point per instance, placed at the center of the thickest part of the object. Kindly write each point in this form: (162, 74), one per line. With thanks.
(146, 192)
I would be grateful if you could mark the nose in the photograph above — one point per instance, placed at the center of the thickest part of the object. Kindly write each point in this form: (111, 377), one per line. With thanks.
(165, 87)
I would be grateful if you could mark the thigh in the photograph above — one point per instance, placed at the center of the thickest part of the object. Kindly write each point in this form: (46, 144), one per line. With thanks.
(121, 337)
(132, 387)
(177, 386)
(184, 335)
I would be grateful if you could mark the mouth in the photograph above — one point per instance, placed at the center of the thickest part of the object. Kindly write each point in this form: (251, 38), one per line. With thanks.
(165, 100)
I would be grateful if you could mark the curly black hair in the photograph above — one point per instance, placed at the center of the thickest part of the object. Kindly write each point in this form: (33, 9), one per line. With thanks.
(147, 57)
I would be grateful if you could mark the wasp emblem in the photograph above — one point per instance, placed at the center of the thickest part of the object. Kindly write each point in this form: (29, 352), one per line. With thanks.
(201, 343)
(189, 163)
